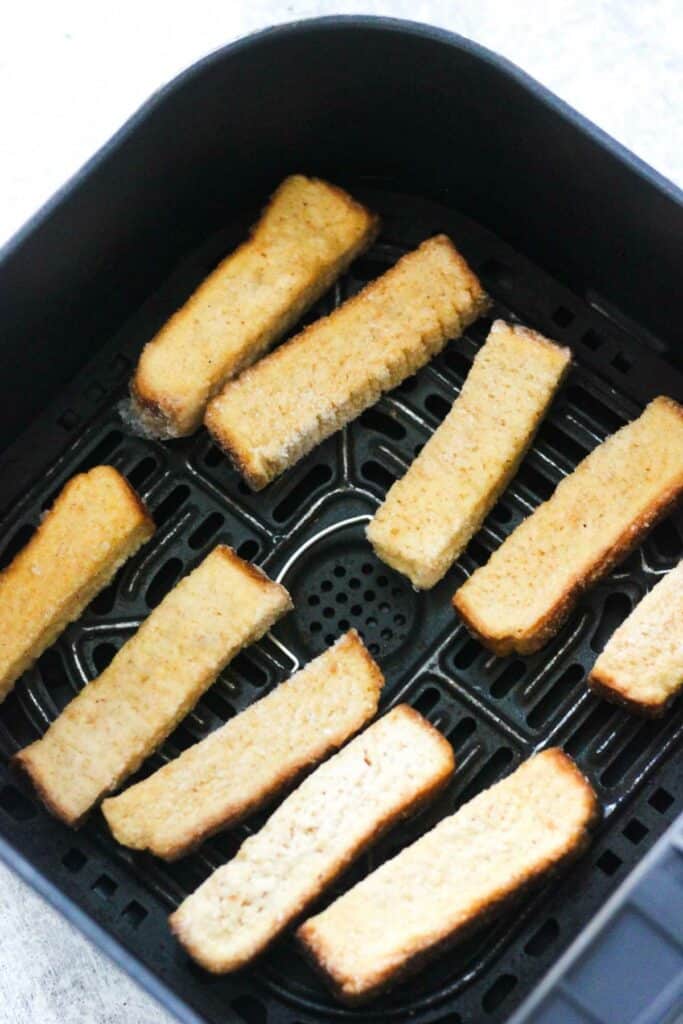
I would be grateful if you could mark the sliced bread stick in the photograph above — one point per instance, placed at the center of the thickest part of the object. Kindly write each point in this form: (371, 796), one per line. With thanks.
(235, 770)
(279, 410)
(596, 516)
(388, 771)
(121, 717)
(430, 515)
(306, 237)
(453, 879)
(95, 524)
(642, 663)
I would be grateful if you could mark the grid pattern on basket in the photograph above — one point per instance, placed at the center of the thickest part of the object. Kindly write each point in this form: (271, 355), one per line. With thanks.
(306, 529)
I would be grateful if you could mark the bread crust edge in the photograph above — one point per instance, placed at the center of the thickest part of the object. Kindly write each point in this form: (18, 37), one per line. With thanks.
(608, 688)
(140, 533)
(428, 793)
(314, 953)
(548, 626)
(220, 822)
(156, 411)
(240, 454)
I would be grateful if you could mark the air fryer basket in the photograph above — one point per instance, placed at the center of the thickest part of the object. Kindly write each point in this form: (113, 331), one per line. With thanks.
(307, 528)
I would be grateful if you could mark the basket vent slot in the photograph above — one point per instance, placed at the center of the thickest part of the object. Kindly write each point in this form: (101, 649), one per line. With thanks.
(14, 803)
(543, 938)
(498, 993)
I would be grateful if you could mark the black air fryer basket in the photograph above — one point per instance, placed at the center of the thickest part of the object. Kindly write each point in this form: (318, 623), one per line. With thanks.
(569, 234)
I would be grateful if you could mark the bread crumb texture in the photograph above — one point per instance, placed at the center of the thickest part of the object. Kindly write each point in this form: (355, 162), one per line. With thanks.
(430, 515)
(154, 680)
(238, 767)
(452, 878)
(306, 237)
(95, 524)
(595, 517)
(383, 774)
(642, 663)
(278, 410)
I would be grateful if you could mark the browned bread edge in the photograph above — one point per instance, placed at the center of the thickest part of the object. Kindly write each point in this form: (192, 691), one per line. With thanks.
(424, 797)
(608, 688)
(461, 933)
(140, 534)
(223, 437)
(156, 413)
(549, 625)
(285, 780)
(22, 761)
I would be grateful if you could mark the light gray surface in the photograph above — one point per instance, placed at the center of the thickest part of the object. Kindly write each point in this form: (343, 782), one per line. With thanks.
(72, 71)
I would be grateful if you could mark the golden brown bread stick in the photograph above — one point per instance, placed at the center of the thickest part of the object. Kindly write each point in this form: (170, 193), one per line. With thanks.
(430, 514)
(121, 717)
(307, 236)
(280, 409)
(641, 665)
(388, 771)
(596, 516)
(236, 769)
(453, 879)
(95, 524)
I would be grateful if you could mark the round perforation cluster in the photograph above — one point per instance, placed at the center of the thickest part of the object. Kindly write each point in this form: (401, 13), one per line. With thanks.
(346, 587)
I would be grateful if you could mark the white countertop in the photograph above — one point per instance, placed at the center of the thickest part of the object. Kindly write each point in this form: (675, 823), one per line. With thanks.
(71, 72)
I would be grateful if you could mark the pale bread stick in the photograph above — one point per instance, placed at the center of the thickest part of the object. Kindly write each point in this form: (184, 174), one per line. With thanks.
(453, 879)
(279, 410)
(95, 524)
(595, 517)
(384, 774)
(430, 515)
(235, 770)
(306, 237)
(121, 717)
(642, 663)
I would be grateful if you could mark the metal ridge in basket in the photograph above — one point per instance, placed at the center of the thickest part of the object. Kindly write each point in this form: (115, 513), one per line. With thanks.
(307, 530)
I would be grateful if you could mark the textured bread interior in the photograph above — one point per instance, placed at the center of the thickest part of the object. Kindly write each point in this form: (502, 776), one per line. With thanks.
(121, 717)
(306, 237)
(95, 524)
(453, 878)
(642, 663)
(383, 774)
(280, 409)
(238, 767)
(596, 515)
(430, 515)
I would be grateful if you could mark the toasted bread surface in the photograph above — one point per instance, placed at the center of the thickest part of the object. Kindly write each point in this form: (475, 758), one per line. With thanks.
(595, 517)
(385, 773)
(430, 515)
(306, 237)
(280, 409)
(641, 665)
(121, 717)
(95, 524)
(453, 879)
(240, 766)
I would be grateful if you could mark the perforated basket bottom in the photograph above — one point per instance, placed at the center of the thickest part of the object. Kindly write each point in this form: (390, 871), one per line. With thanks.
(307, 530)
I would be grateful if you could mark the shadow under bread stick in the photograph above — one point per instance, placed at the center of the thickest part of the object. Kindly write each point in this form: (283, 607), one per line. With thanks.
(95, 524)
(430, 514)
(236, 769)
(641, 665)
(453, 879)
(278, 410)
(595, 517)
(386, 773)
(307, 236)
(154, 680)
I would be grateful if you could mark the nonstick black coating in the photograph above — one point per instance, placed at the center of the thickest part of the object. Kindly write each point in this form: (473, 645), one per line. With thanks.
(307, 530)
